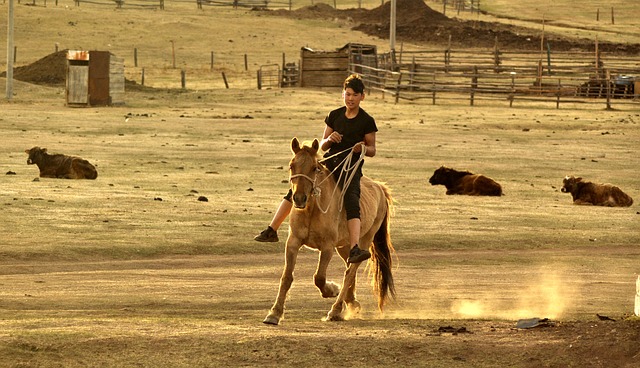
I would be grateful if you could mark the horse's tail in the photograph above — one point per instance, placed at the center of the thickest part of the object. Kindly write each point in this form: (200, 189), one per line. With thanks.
(380, 270)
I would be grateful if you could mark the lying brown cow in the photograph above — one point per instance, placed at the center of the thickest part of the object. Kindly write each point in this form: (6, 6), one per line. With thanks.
(584, 192)
(60, 166)
(464, 182)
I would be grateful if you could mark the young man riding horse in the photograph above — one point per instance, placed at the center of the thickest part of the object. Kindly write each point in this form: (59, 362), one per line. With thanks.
(351, 131)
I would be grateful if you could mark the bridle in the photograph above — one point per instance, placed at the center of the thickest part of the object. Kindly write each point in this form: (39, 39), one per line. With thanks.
(347, 168)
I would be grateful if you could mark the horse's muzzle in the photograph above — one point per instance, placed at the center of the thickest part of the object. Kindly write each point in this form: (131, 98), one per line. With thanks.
(300, 200)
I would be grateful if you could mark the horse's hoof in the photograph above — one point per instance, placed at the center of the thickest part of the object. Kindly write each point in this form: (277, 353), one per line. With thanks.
(353, 308)
(271, 320)
(331, 290)
(333, 318)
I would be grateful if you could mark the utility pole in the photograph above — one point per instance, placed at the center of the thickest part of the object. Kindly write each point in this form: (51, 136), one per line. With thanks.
(10, 51)
(392, 27)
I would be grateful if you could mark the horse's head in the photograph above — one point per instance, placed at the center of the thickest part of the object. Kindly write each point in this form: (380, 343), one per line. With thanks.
(302, 171)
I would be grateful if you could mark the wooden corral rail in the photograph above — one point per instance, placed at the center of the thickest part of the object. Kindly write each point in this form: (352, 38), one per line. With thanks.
(153, 4)
(473, 76)
(253, 4)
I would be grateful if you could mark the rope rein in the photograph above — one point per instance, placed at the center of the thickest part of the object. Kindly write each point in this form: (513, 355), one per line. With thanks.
(347, 167)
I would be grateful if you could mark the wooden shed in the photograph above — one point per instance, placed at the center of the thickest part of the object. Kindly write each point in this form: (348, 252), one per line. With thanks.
(94, 78)
(330, 68)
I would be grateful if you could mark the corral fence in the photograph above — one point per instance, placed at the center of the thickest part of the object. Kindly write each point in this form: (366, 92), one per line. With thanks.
(252, 4)
(200, 4)
(474, 76)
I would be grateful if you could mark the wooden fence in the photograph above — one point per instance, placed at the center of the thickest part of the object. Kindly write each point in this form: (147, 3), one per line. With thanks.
(252, 4)
(200, 4)
(574, 77)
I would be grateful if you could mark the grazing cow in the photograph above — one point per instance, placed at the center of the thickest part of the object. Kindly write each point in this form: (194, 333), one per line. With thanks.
(464, 182)
(584, 192)
(60, 166)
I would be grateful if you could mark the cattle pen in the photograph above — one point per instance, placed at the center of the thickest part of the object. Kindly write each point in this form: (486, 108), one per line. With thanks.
(525, 76)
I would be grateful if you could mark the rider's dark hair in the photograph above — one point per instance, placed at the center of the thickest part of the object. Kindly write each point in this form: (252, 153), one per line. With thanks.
(355, 83)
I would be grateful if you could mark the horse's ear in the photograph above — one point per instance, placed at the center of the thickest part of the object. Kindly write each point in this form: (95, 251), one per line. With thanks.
(578, 179)
(295, 145)
(315, 145)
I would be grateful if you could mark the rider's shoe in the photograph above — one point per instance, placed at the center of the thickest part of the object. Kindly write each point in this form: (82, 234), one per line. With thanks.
(357, 255)
(267, 235)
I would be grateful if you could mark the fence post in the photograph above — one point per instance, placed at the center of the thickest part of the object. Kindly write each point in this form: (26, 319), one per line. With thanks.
(613, 21)
(496, 56)
(447, 56)
(211, 60)
(513, 89)
(548, 58)
(183, 79)
(246, 63)
(224, 77)
(474, 83)
(259, 76)
(135, 57)
(173, 53)
(608, 80)
(558, 94)
(398, 88)
(433, 98)
(412, 71)
(142, 77)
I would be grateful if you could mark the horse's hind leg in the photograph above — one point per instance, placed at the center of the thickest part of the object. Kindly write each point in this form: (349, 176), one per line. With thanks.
(347, 293)
(328, 289)
(352, 304)
(291, 254)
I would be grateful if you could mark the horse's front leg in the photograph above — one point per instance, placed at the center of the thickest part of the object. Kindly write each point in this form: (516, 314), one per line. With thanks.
(328, 289)
(291, 255)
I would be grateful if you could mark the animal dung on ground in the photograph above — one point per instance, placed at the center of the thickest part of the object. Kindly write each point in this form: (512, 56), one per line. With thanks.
(465, 182)
(588, 193)
(60, 166)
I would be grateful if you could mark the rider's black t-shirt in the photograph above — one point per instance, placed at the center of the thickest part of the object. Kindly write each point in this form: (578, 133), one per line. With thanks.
(352, 130)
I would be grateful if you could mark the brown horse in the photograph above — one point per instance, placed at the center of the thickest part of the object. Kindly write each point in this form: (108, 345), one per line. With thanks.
(318, 221)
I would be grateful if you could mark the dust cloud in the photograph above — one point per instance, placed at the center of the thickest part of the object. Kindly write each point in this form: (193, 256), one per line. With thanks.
(545, 293)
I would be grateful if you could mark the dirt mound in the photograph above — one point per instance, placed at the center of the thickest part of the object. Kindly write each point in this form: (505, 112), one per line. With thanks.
(50, 70)
(408, 12)
(418, 23)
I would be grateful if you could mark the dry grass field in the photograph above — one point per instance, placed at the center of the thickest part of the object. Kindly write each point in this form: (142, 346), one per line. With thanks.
(133, 270)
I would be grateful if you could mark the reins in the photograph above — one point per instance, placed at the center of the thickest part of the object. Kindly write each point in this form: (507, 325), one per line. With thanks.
(347, 167)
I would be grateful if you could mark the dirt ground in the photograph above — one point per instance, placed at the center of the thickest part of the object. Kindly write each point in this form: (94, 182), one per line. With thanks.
(206, 311)
(132, 270)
